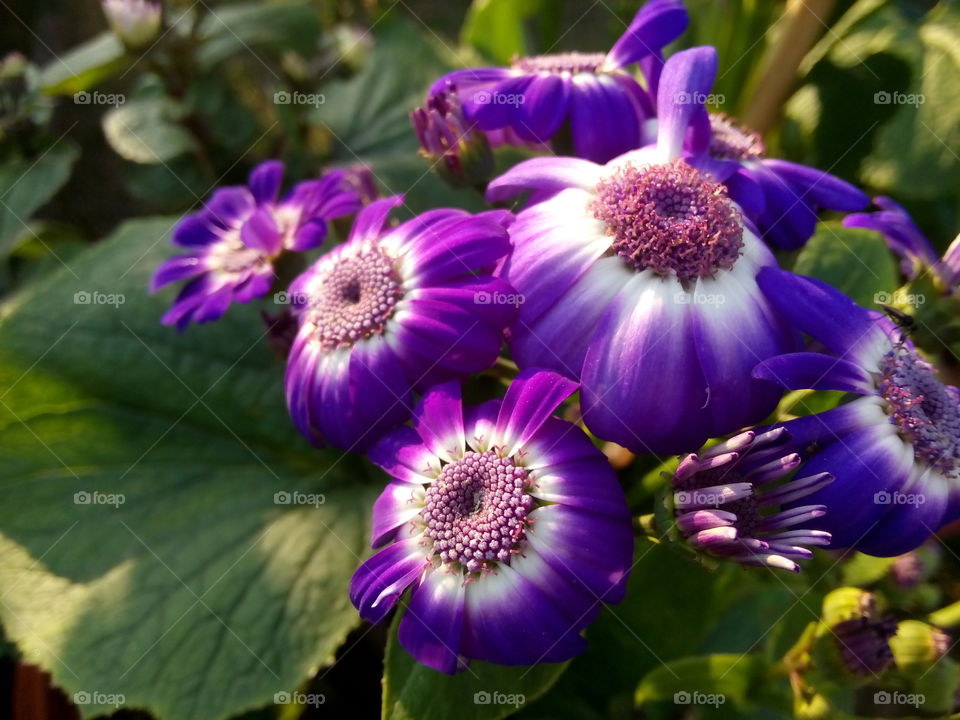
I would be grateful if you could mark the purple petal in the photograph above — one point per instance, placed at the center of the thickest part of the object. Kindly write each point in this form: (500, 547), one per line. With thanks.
(444, 334)
(380, 581)
(197, 230)
(467, 245)
(530, 400)
(369, 222)
(486, 107)
(545, 107)
(265, 181)
(656, 25)
(392, 509)
(898, 229)
(229, 206)
(603, 119)
(438, 419)
(788, 220)
(548, 174)
(687, 78)
(260, 232)
(805, 370)
(468, 79)
(404, 456)
(432, 625)
(819, 188)
(176, 268)
(557, 442)
(490, 298)
(915, 513)
(589, 484)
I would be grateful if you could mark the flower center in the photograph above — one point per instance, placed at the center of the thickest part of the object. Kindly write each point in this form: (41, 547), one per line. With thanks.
(476, 510)
(230, 255)
(731, 141)
(746, 509)
(355, 298)
(572, 63)
(671, 219)
(925, 410)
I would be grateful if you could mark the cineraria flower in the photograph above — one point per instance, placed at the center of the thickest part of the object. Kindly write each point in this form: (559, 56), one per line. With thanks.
(781, 198)
(591, 96)
(236, 238)
(638, 278)
(895, 449)
(392, 310)
(856, 631)
(135, 22)
(908, 241)
(461, 153)
(727, 502)
(507, 523)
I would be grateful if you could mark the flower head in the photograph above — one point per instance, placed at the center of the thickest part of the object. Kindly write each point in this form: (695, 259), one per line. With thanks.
(391, 310)
(639, 279)
(591, 94)
(461, 153)
(855, 633)
(908, 241)
(235, 239)
(135, 22)
(727, 502)
(507, 523)
(894, 449)
(781, 199)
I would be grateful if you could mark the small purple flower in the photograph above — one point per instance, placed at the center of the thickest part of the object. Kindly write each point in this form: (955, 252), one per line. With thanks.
(727, 502)
(461, 153)
(908, 241)
(593, 95)
(895, 449)
(235, 239)
(639, 279)
(392, 310)
(780, 198)
(508, 524)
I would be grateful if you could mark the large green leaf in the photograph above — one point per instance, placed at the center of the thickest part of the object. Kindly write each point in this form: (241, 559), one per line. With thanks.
(27, 184)
(495, 27)
(180, 580)
(85, 66)
(412, 691)
(853, 260)
(706, 680)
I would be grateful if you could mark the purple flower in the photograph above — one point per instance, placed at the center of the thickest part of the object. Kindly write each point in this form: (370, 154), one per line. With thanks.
(780, 198)
(639, 279)
(392, 310)
(593, 95)
(908, 241)
(727, 502)
(447, 140)
(895, 449)
(507, 523)
(235, 239)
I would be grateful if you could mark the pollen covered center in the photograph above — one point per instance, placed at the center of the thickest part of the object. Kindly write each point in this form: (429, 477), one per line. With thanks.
(572, 63)
(476, 510)
(670, 218)
(731, 141)
(354, 299)
(926, 411)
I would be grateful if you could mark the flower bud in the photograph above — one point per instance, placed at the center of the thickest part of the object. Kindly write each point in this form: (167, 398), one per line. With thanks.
(136, 22)
(917, 646)
(854, 635)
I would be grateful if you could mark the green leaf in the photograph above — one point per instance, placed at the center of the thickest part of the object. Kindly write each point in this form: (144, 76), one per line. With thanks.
(146, 130)
(495, 27)
(709, 680)
(85, 66)
(26, 185)
(865, 570)
(244, 27)
(853, 260)
(412, 691)
(184, 583)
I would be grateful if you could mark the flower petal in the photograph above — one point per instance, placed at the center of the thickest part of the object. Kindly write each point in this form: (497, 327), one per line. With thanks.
(433, 623)
(380, 581)
(687, 78)
(530, 400)
(438, 419)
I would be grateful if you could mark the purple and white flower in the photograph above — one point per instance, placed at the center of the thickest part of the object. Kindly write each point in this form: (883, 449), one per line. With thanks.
(728, 501)
(236, 238)
(135, 22)
(507, 523)
(391, 310)
(461, 153)
(781, 198)
(593, 96)
(639, 279)
(894, 450)
(908, 241)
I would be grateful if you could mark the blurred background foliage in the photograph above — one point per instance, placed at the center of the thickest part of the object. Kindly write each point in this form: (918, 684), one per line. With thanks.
(200, 107)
